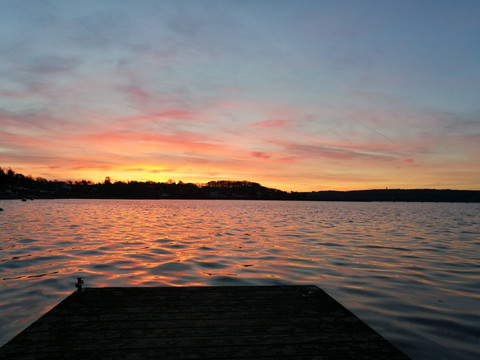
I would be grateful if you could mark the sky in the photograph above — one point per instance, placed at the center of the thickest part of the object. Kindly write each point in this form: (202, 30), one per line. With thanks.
(295, 95)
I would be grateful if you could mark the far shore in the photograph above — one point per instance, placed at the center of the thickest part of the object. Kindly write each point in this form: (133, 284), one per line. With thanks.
(387, 195)
(17, 186)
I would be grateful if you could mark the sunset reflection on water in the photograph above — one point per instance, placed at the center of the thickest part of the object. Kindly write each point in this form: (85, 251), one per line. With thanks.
(400, 267)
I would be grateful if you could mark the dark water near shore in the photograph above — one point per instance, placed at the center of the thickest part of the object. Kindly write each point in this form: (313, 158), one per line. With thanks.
(410, 270)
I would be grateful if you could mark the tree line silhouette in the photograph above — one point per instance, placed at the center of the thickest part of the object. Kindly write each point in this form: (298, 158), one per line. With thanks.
(14, 185)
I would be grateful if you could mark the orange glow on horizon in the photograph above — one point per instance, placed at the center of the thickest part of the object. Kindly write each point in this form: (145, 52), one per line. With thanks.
(202, 174)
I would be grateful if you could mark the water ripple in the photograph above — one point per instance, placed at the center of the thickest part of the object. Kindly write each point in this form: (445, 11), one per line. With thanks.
(409, 270)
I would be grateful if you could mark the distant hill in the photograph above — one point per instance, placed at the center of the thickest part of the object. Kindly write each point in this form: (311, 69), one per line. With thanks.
(17, 186)
(426, 195)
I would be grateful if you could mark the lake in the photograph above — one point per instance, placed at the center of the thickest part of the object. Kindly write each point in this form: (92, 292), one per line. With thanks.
(409, 270)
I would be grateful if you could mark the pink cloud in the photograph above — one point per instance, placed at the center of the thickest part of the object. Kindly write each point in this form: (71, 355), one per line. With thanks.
(29, 120)
(171, 116)
(16, 95)
(23, 142)
(338, 153)
(271, 124)
(174, 113)
(472, 139)
(137, 95)
(260, 154)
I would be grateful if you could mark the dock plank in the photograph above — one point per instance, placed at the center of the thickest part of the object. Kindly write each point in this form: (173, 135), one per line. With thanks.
(259, 322)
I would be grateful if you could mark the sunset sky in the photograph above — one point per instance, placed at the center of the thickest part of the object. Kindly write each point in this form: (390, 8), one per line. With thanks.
(296, 95)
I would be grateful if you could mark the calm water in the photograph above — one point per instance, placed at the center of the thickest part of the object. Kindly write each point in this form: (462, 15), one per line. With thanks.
(410, 270)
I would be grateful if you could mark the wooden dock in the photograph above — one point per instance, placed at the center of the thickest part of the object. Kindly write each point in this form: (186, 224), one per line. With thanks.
(264, 322)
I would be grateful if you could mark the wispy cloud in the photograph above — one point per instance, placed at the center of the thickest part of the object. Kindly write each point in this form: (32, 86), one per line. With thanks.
(272, 123)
